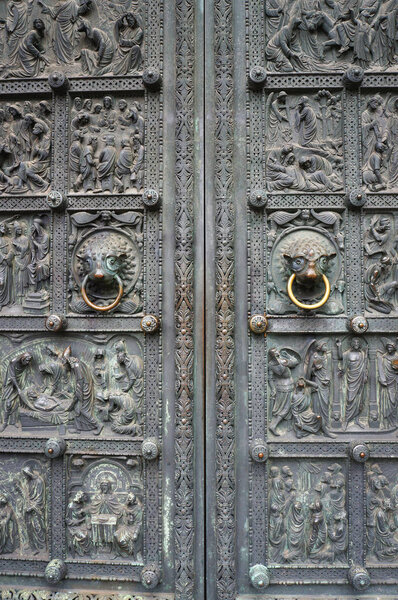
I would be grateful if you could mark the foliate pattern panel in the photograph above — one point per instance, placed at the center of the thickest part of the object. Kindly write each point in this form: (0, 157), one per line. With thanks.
(72, 386)
(79, 37)
(25, 494)
(307, 512)
(331, 36)
(104, 514)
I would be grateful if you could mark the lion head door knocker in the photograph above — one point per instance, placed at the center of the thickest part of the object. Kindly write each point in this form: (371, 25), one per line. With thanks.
(305, 273)
(106, 265)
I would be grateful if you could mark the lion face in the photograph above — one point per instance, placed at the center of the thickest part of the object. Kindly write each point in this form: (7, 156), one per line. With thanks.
(308, 259)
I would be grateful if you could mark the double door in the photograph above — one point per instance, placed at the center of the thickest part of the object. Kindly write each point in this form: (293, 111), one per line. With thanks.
(198, 300)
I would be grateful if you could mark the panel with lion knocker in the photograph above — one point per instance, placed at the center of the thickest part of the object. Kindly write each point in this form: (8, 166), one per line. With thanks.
(73, 386)
(308, 245)
(106, 256)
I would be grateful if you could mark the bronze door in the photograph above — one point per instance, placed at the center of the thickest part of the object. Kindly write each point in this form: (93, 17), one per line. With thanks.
(97, 447)
(302, 475)
(198, 300)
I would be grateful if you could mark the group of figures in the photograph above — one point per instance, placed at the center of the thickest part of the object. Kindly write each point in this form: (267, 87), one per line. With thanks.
(25, 147)
(381, 514)
(327, 35)
(23, 517)
(107, 146)
(332, 387)
(304, 143)
(47, 387)
(82, 37)
(380, 143)
(381, 266)
(24, 265)
(307, 514)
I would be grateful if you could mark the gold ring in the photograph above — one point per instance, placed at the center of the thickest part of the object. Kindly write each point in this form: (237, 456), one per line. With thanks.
(321, 302)
(102, 308)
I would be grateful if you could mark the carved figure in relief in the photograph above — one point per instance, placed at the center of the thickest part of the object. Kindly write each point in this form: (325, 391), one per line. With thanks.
(30, 60)
(128, 535)
(113, 162)
(354, 365)
(8, 527)
(282, 386)
(6, 261)
(17, 24)
(304, 151)
(317, 370)
(129, 37)
(96, 62)
(49, 387)
(331, 35)
(78, 527)
(11, 392)
(305, 528)
(305, 421)
(379, 289)
(104, 517)
(381, 511)
(33, 489)
(388, 379)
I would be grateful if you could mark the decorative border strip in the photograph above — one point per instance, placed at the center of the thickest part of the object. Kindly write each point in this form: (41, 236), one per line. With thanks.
(184, 301)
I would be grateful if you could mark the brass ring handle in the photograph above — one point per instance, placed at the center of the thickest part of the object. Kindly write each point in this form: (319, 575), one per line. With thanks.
(321, 302)
(102, 308)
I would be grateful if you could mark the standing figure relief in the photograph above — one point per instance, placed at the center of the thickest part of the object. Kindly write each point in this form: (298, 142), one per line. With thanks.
(80, 37)
(307, 513)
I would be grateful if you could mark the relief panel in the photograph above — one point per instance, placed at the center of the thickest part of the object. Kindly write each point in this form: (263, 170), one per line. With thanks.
(76, 386)
(330, 35)
(106, 252)
(104, 514)
(381, 257)
(81, 37)
(333, 387)
(304, 142)
(308, 243)
(25, 146)
(25, 249)
(382, 512)
(24, 507)
(307, 512)
(106, 153)
(379, 120)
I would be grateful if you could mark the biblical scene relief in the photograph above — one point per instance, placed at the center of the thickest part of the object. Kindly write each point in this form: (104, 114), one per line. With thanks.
(106, 251)
(333, 387)
(307, 512)
(382, 512)
(78, 37)
(23, 508)
(104, 516)
(327, 35)
(73, 387)
(304, 145)
(24, 264)
(380, 143)
(25, 147)
(308, 243)
(107, 146)
(381, 263)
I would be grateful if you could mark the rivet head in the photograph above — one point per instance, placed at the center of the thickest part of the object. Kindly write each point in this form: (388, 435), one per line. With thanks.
(258, 324)
(358, 324)
(259, 576)
(150, 324)
(261, 454)
(258, 451)
(359, 452)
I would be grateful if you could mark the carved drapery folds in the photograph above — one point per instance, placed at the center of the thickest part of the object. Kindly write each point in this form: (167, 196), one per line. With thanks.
(81, 37)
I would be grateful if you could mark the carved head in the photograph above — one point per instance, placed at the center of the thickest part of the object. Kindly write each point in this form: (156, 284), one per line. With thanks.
(308, 259)
(39, 26)
(103, 261)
